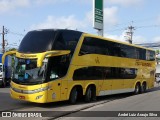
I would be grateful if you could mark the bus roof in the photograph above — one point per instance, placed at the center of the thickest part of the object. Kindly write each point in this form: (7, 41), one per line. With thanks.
(104, 38)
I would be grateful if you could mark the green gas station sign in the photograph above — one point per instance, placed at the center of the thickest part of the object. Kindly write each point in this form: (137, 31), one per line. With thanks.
(98, 14)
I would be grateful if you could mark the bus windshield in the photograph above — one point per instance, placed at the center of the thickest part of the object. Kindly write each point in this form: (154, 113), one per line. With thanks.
(27, 72)
(37, 41)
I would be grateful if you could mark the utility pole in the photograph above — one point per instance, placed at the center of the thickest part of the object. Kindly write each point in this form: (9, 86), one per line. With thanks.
(3, 42)
(4, 31)
(129, 34)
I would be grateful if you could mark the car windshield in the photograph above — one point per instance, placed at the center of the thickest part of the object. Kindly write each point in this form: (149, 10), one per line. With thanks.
(27, 72)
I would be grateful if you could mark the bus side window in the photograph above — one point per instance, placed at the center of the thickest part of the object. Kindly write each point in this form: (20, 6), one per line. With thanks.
(152, 56)
(58, 66)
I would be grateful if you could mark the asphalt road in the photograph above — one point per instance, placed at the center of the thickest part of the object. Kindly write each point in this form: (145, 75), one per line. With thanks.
(7, 103)
(149, 101)
(137, 107)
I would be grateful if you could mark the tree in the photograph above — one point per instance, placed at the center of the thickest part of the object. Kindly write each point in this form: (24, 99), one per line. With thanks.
(157, 51)
(11, 49)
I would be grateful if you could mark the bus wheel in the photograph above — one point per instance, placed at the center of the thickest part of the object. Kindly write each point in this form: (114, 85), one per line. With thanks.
(88, 94)
(73, 96)
(144, 87)
(137, 89)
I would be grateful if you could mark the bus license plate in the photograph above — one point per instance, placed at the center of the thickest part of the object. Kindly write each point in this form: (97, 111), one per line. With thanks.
(22, 97)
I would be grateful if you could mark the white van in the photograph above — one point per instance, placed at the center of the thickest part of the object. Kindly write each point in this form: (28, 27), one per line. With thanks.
(2, 75)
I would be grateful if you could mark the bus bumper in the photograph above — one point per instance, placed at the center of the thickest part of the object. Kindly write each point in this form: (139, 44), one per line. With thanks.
(36, 97)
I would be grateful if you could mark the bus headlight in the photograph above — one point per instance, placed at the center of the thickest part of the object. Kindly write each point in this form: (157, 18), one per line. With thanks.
(36, 90)
(29, 91)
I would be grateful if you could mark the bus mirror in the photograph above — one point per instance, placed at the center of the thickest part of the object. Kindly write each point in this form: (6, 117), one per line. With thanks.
(41, 58)
(7, 53)
(45, 60)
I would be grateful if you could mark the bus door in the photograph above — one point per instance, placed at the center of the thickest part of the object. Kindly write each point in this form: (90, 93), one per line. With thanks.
(57, 69)
(106, 84)
(54, 90)
(117, 81)
(64, 89)
(58, 90)
(117, 86)
(105, 87)
(129, 76)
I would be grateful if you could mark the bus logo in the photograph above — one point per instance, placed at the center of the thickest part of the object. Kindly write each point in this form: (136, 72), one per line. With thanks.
(97, 60)
(22, 55)
(21, 87)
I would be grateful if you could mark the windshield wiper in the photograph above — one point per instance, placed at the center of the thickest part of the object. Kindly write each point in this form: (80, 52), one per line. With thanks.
(29, 83)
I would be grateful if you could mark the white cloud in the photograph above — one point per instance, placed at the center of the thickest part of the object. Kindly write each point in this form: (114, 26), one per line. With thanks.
(110, 16)
(116, 37)
(156, 39)
(69, 22)
(8, 5)
(137, 39)
(126, 2)
(158, 20)
(44, 2)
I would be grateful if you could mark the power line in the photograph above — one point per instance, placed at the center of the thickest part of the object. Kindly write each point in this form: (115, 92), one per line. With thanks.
(19, 34)
(137, 21)
(136, 27)
(147, 26)
(119, 29)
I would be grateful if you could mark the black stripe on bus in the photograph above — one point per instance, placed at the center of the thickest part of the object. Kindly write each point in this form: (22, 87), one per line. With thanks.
(99, 73)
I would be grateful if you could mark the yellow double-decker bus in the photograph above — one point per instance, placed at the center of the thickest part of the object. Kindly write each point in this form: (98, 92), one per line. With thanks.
(56, 65)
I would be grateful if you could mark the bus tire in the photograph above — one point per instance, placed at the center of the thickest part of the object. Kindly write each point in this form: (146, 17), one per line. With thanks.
(144, 87)
(94, 98)
(137, 89)
(73, 96)
(88, 95)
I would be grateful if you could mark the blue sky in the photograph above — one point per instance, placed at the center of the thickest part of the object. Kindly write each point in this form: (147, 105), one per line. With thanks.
(21, 16)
